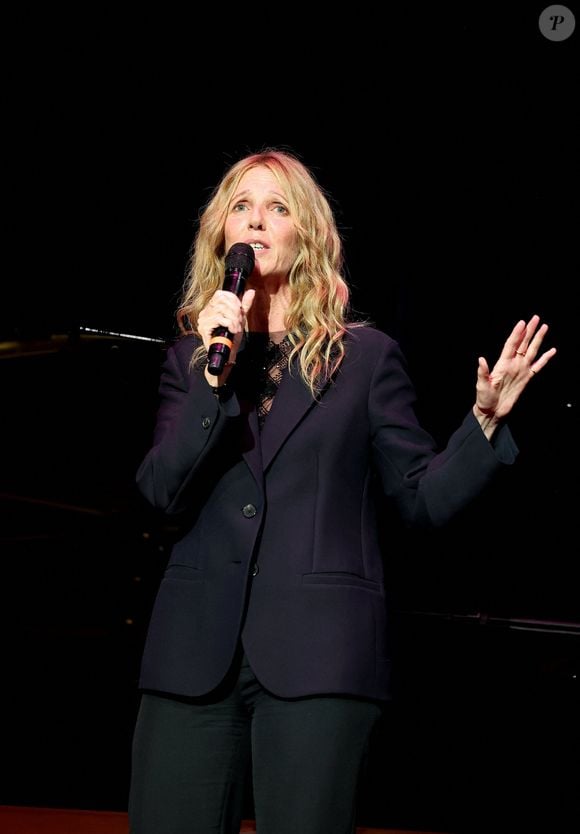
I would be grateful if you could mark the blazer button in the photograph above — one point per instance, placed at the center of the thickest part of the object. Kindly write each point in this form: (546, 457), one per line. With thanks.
(249, 511)
(205, 422)
(255, 570)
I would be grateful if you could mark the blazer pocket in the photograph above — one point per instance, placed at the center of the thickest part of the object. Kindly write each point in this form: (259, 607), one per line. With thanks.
(184, 572)
(338, 578)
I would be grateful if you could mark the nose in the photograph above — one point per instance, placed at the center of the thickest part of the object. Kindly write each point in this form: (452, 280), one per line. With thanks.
(256, 219)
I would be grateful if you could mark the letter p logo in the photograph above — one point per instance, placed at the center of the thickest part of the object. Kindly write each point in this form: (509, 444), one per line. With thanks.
(556, 23)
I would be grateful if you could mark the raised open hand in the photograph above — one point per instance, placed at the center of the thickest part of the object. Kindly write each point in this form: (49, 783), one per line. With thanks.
(497, 391)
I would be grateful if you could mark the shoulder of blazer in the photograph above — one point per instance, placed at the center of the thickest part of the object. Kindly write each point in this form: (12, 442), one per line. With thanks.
(182, 348)
(368, 342)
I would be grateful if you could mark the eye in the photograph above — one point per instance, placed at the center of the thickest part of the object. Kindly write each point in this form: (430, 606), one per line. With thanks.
(239, 207)
(279, 208)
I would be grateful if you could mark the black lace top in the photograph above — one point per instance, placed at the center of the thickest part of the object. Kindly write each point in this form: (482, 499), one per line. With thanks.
(267, 358)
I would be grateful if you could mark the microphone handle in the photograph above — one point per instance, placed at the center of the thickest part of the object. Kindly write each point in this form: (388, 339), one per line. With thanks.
(219, 351)
(222, 340)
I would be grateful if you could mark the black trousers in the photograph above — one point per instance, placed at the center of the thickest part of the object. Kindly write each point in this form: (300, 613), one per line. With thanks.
(190, 760)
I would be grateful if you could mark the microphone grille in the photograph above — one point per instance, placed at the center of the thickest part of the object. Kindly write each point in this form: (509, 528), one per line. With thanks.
(241, 256)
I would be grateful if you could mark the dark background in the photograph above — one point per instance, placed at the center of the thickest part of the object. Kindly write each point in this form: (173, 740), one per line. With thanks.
(447, 141)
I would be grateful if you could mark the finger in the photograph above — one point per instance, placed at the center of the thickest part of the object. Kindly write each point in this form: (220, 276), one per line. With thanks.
(231, 320)
(528, 334)
(543, 360)
(514, 340)
(225, 304)
(225, 301)
(534, 345)
(529, 351)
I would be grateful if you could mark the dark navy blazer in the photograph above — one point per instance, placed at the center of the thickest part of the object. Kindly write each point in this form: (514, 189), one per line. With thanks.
(279, 543)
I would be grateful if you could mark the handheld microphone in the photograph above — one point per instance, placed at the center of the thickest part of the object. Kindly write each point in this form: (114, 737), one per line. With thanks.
(239, 265)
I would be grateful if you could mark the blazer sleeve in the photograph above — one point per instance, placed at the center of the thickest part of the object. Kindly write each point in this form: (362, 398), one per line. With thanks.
(190, 421)
(428, 486)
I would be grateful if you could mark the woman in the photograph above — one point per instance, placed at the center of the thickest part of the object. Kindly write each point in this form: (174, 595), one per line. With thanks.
(268, 638)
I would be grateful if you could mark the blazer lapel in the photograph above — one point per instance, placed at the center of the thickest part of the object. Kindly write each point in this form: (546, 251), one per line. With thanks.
(292, 401)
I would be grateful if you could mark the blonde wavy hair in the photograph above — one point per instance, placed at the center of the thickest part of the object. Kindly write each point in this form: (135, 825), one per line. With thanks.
(319, 296)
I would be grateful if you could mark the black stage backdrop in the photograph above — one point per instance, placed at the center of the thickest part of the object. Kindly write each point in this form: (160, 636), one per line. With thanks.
(447, 140)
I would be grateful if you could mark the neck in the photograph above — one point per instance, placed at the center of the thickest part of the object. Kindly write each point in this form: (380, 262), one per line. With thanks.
(269, 308)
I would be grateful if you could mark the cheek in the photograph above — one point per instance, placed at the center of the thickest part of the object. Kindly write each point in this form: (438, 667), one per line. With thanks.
(231, 230)
(292, 246)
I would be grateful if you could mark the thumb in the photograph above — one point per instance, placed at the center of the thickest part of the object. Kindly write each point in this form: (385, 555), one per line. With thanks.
(248, 300)
(482, 368)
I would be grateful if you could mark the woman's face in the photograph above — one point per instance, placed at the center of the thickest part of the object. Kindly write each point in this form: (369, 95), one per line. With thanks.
(259, 215)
